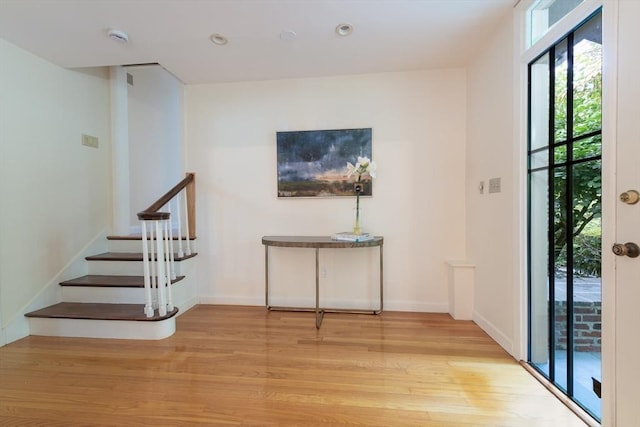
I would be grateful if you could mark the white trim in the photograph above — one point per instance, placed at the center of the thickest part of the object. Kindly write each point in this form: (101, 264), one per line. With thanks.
(609, 205)
(494, 332)
(410, 306)
(560, 29)
(524, 5)
(520, 188)
(187, 305)
(251, 301)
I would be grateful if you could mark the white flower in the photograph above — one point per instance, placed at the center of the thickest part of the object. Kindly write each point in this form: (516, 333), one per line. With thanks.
(371, 169)
(363, 162)
(351, 169)
(363, 166)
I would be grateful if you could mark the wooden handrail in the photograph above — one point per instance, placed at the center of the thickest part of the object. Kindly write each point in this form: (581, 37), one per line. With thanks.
(168, 195)
(153, 216)
(151, 213)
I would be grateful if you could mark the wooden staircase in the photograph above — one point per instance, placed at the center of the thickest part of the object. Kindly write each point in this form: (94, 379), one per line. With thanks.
(109, 301)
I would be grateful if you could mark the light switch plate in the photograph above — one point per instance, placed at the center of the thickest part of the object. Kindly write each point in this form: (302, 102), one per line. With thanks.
(90, 141)
(494, 185)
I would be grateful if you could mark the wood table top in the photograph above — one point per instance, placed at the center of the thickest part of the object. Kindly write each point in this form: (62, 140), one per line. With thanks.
(318, 242)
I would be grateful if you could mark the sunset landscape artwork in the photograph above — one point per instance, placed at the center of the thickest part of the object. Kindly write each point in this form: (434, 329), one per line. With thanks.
(314, 163)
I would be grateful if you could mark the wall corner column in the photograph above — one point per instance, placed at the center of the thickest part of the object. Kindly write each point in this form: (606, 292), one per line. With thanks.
(119, 150)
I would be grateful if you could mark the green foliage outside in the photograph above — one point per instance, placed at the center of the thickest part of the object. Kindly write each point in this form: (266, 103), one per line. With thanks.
(587, 181)
(586, 251)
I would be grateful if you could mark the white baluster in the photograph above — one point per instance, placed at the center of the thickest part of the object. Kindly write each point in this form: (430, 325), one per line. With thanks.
(186, 220)
(172, 261)
(153, 263)
(180, 251)
(168, 259)
(160, 256)
(148, 306)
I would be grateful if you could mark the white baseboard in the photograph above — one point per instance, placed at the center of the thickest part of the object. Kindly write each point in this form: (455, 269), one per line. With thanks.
(495, 333)
(410, 306)
(186, 305)
(415, 307)
(17, 329)
(255, 301)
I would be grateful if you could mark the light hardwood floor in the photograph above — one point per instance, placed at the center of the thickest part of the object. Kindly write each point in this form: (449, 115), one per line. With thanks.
(246, 366)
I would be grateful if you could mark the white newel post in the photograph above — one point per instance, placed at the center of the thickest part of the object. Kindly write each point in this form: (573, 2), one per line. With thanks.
(148, 304)
(160, 271)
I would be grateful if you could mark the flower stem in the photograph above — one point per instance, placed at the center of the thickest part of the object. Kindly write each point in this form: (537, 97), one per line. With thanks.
(356, 229)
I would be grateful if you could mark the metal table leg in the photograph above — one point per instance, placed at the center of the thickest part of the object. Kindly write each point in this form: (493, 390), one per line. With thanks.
(319, 313)
(266, 276)
(381, 284)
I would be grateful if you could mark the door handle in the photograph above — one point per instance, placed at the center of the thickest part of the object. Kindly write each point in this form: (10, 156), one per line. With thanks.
(629, 249)
(630, 197)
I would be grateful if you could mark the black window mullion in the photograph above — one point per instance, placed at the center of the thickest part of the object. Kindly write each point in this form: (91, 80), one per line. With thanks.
(551, 204)
(529, 284)
(574, 139)
(570, 225)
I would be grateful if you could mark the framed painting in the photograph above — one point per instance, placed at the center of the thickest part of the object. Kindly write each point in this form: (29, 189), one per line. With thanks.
(314, 163)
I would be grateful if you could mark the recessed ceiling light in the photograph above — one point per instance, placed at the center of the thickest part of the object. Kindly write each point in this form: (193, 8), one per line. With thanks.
(118, 35)
(218, 39)
(288, 35)
(344, 29)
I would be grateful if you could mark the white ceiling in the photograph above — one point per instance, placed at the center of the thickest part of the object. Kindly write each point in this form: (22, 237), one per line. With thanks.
(389, 35)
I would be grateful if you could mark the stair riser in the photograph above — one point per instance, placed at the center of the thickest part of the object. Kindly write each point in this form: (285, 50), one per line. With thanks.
(184, 294)
(102, 295)
(124, 268)
(136, 246)
(121, 329)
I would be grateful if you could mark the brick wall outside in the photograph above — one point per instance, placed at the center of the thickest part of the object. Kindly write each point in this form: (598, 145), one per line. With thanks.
(587, 325)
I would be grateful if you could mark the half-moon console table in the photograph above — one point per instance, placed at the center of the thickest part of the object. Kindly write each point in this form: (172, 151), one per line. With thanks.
(317, 243)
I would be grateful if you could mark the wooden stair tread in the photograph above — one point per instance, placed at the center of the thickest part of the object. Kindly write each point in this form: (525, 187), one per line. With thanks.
(98, 311)
(130, 256)
(104, 281)
(139, 237)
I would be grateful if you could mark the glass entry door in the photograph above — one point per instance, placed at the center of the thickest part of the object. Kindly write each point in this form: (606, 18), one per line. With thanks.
(564, 229)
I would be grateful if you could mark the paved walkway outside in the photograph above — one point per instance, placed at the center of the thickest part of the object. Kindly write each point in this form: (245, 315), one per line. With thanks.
(585, 289)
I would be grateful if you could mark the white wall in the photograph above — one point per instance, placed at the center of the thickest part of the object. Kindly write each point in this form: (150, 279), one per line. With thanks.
(491, 221)
(155, 135)
(55, 192)
(418, 120)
